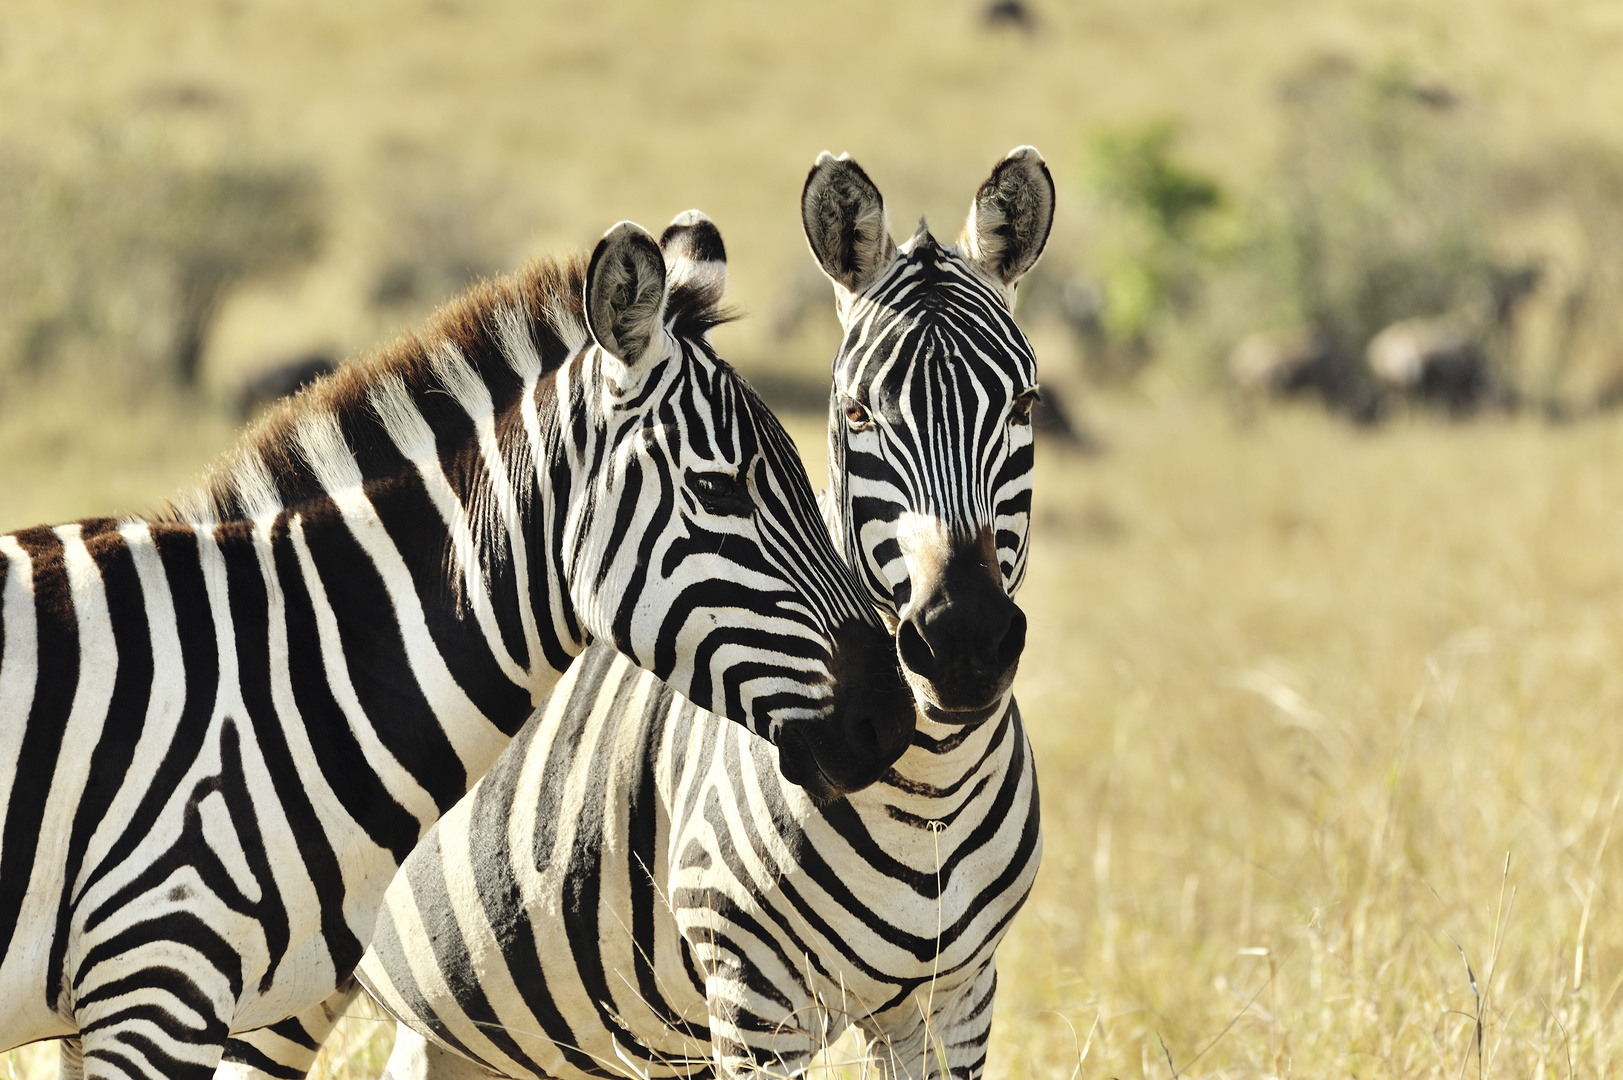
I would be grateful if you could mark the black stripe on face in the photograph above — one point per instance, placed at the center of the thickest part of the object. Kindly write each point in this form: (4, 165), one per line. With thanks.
(793, 530)
(57, 649)
(942, 366)
(696, 412)
(626, 500)
(1015, 471)
(730, 598)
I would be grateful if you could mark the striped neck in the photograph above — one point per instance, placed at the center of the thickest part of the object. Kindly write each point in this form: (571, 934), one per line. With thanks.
(932, 775)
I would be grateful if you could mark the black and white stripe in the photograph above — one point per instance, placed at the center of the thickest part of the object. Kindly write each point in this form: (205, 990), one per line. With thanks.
(222, 729)
(634, 891)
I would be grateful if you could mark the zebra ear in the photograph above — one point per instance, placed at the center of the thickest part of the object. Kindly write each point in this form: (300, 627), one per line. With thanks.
(844, 216)
(1010, 217)
(695, 257)
(625, 291)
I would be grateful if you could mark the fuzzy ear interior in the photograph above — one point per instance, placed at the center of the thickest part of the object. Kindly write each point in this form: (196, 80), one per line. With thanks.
(695, 257)
(1010, 217)
(625, 291)
(844, 217)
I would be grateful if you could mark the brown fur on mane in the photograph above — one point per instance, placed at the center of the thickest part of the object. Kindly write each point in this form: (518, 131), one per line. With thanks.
(547, 291)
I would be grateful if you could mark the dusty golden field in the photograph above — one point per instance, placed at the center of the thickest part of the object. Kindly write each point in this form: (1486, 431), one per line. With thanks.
(1323, 717)
(525, 127)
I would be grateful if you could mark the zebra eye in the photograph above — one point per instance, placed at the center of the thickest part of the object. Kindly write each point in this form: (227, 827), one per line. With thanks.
(723, 494)
(856, 415)
(1023, 404)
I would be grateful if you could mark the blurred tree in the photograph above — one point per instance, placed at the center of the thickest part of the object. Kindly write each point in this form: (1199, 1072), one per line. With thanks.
(215, 228)
(441, 233)
(1135, 167)
(133, 257)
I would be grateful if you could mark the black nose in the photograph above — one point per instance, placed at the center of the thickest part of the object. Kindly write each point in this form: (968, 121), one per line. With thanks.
(869, 727)
(963, 638)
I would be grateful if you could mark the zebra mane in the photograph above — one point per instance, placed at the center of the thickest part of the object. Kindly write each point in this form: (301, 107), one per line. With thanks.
(503, 331)
(921, 235)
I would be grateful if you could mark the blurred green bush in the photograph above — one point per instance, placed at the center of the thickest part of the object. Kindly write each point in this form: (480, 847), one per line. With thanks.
(1389, 201)
(1149, 250)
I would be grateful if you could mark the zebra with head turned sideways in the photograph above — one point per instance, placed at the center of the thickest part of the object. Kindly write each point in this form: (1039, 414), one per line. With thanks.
(221, 729)
(633, 891)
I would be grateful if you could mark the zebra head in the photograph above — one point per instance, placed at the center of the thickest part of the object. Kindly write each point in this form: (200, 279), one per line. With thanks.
(930, 441)
(698, 548)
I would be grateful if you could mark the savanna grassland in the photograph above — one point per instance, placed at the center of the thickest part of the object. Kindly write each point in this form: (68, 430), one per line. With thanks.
(1329, 721)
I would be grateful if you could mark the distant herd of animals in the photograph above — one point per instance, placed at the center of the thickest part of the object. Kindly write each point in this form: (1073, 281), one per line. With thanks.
(514, 674)
(1431, 362)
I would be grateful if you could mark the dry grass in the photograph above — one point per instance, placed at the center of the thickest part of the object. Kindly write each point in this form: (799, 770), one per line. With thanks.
(1297, 695)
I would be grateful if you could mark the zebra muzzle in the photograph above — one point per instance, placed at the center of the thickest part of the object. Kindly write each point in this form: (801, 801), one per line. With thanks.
(960, 643)
(869, 726)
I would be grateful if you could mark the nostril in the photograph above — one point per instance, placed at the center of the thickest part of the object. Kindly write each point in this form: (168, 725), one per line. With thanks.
(914, 651)
(862, 734)
(1014, 641)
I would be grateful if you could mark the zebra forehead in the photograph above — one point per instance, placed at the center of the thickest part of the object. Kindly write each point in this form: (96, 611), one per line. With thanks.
(927, 316)
(716, 415)
(932, 366)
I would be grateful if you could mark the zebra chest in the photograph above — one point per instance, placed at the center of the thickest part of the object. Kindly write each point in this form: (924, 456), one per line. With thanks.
(847, 911)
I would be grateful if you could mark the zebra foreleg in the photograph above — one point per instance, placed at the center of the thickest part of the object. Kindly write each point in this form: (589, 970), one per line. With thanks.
(952, 1044)
(752, 1036)
(286, 1050)
(965, 1030)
